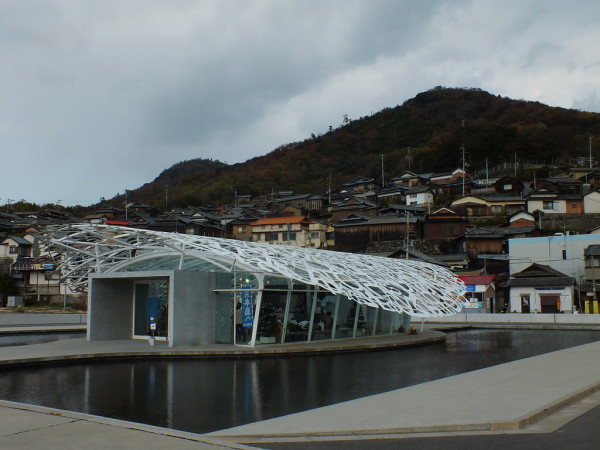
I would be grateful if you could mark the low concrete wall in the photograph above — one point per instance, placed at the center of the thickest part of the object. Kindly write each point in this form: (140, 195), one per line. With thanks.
(18, 319)
(563, 319)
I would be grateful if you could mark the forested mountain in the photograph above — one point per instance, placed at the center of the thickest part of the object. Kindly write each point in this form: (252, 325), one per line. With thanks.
(434, 125)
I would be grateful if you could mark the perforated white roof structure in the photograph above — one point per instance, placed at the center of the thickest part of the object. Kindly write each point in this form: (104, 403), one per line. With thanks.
(404, 286)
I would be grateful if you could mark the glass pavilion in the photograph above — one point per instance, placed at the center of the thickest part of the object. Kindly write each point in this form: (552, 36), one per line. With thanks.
(194, 290)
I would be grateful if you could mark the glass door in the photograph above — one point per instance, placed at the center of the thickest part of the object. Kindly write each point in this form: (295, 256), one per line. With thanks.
(151, 300)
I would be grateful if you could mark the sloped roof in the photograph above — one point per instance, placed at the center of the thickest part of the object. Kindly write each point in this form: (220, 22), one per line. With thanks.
(478, 279)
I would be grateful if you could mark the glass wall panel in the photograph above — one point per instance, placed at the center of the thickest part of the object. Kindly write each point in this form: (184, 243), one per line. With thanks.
(345, 319)
(298, 319)
(323, 321)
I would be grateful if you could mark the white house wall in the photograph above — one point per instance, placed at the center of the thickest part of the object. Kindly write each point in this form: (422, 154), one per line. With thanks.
(548, 250)
(535, 304)
(560, 205)
(591, 203)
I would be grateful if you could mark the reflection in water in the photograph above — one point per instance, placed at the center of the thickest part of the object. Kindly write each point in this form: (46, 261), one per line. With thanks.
(206, 395)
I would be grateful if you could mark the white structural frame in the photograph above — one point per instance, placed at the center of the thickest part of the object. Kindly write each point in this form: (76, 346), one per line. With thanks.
(403, 286)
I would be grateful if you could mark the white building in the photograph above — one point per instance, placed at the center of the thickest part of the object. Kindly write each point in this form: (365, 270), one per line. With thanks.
(562, 252)
(420, 195)
(541, 289)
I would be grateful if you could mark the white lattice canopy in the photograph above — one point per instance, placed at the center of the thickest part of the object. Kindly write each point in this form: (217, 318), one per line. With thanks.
(403, 286)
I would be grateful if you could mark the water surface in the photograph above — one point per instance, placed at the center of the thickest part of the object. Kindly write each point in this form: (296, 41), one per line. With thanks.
(207, 395)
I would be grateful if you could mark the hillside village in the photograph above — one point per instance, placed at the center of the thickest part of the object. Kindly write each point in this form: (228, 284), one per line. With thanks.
(450, 219)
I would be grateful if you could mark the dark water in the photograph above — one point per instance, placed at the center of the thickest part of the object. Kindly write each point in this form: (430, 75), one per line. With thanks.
(10, 340)
(207, 395)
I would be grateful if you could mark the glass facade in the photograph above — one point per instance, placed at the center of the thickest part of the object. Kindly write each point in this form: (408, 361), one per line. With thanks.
(289, 312)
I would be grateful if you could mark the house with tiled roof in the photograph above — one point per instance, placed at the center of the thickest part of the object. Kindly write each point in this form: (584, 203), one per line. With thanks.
(297, 231)
(541, 289)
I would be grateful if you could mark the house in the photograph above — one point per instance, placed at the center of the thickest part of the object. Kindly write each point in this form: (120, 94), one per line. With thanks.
(355, 232)
(96, 218)
(486, 206)
(592, 267)
(419, 196)
(591, 201)
(392, 194)
(408, 179)
(521, 219)
(550, 201)
(509, 187)
(14, 247)
(443, 224)
(541, 289)
(360, 184)
(293, 230)
(455, 175)
(305, 201)
(480, 293)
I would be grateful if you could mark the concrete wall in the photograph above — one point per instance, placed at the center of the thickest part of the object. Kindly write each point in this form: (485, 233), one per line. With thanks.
(541, 319)
(192, 308)
(110, 305)
(17, 319)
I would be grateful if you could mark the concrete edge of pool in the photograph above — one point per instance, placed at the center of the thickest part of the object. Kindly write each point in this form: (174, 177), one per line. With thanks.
(79, 350)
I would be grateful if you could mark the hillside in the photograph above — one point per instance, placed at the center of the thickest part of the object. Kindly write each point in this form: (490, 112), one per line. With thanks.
(431, 124)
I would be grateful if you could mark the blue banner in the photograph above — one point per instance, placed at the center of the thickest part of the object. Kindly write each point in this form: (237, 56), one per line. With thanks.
(153, 307)
(247, 316)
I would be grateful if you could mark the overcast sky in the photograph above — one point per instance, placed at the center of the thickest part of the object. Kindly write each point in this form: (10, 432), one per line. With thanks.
(100, 96)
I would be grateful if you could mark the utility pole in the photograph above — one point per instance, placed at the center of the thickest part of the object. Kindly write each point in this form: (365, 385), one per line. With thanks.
(463, 157)
(407, 233)
(463, 169)
(382, 174)
(408, 157)
(329, 189)
(590, 141)
(166, 197)
(126, 205)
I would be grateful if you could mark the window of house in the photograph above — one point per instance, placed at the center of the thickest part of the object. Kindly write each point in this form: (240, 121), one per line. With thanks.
(314, 235)
(574, 205)
(548, 205)
(272, 237)
(13, 250)
(292, 235)
(507, 187)
(564, 254)
(496, 208)
(241, 229)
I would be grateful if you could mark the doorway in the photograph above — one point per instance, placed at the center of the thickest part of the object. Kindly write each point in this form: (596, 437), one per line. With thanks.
(525, 303)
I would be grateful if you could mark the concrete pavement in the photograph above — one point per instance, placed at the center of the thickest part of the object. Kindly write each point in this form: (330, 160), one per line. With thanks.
(503, 398)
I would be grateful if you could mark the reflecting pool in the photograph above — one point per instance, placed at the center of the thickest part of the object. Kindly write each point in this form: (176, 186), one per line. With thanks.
(10, 340)
(206, 395)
